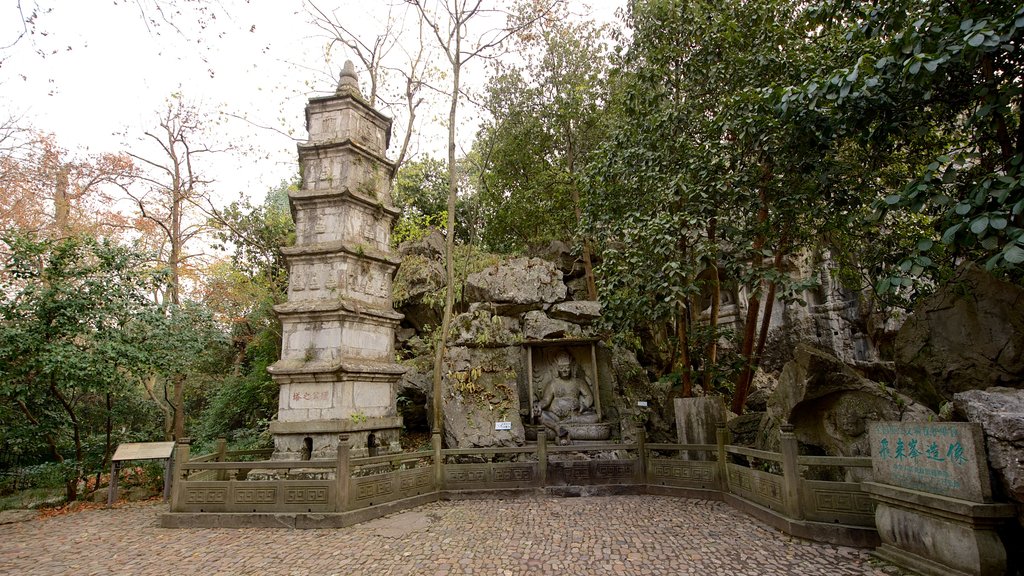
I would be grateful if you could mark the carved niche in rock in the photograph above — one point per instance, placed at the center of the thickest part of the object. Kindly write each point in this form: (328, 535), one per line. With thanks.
(564, 397)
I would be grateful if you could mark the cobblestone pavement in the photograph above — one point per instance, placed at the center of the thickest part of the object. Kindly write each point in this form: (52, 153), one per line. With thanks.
(590, 535)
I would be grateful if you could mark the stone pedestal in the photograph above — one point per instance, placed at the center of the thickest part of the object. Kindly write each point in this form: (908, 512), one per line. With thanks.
(337, 372)
(936, 535)
(697, 421)
(934, 509)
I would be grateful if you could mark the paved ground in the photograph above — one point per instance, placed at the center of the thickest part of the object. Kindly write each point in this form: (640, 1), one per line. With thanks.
(609, 535)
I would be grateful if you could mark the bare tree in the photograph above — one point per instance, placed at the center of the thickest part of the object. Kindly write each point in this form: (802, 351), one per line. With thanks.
(395, 72)
(449, 22)
(173, 189)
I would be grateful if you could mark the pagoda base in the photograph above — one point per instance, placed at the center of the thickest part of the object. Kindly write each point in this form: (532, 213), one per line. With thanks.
(318, 439)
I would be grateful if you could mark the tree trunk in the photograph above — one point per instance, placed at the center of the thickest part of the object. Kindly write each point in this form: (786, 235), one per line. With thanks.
(588, 267)
(149, 383)
(716, 302)
(683, 365)
(739, 397)
(179, 406)
(107, 448)
(453, 189)
(769, 304)
(71, 483)
(61, 203)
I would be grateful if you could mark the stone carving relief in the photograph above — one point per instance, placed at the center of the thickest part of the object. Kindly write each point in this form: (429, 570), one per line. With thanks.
(565, 402)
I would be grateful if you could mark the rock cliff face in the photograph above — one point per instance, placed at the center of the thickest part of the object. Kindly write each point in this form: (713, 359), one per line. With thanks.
(831, 404)
(1000, 411)
(506, 308)
(824, 367)
(828, 316)
(968, 335)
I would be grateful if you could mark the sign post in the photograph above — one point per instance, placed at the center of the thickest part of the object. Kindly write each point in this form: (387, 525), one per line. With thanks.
(140, 451)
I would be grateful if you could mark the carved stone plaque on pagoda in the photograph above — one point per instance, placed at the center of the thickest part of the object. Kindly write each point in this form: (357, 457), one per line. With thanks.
(337, 372)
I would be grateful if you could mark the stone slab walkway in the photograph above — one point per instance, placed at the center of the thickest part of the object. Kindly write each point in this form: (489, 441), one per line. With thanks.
(586, 536)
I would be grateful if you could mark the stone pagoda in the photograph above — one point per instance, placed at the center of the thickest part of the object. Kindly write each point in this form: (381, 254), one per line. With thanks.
(337, 371)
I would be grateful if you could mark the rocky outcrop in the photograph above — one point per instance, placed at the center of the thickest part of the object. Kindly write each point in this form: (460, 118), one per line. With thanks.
(831, 404)
(827, 316)
(968, 335)
(518, 281)
(761, 389)
(479, 391)
(418, 290)
(539, 326)
(577, 311)
(1000, 411)
(504, 306)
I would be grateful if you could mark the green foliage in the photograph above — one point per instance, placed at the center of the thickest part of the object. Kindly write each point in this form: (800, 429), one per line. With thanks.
(257, 233)
(69, 346)
(413, 227)
(697, 173)
(240, 404)
(421, 193)
(546, 119)
(930, 91)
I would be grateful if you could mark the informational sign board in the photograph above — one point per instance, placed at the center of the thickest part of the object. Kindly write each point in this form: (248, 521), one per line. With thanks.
(502, 425)
(143, 451)
(944, 458)
(140, 451)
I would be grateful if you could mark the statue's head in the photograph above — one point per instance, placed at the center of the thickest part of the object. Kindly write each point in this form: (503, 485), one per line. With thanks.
(563, 362)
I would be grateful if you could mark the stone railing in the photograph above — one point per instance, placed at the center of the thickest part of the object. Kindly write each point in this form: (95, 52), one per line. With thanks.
(212, 490)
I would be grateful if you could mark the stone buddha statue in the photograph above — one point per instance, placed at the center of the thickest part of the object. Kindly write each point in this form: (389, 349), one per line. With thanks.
(567, 400)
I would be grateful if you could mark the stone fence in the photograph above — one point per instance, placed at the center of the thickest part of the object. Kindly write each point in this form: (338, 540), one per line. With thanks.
(212, 491)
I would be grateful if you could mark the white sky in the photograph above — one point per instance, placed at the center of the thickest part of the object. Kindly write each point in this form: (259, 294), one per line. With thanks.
(106, 75)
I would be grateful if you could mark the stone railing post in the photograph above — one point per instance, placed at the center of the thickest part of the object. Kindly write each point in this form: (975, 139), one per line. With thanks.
(722, 438)
(181, 455)
(221, 448)
(341, 473)
(790, 471)
(641, 448)
(542, 457)
(435, 441)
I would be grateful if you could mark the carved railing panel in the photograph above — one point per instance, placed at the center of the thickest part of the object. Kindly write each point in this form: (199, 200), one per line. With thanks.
(757, 486)
(492, 475)
(837, 502)
(594, 472)
(259, 496)
(683, 473)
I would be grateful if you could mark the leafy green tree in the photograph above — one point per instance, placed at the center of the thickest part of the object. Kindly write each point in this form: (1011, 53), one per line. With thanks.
(66, 341)
(182, 347)
(930, 91)
(698, 175)
(241, 293)
(546, 120)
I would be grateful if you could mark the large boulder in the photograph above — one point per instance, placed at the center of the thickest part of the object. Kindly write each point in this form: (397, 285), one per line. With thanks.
(518, 281)
(577, 311)
(479, 327)
(968, 335)
(414, 391)
(431, 246)
(1000, 411)
(560, 254)
(831, 404)
(479, 390)
(419, 290)
(761, 389)
(539, 326)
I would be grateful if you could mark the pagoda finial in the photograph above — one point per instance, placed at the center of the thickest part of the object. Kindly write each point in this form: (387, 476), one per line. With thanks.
(348, 77)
